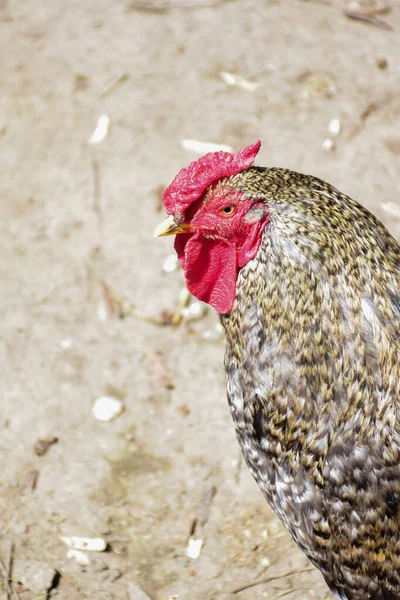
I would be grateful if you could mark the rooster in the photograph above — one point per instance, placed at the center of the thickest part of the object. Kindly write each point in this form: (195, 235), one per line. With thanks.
(307, 285)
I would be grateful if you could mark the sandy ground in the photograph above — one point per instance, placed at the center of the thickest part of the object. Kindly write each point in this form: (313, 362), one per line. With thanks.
(76, 218)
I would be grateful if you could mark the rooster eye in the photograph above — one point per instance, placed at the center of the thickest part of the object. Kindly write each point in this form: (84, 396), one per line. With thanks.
(228, 211)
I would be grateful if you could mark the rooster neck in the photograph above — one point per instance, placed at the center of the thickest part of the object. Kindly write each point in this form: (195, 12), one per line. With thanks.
(306, 355)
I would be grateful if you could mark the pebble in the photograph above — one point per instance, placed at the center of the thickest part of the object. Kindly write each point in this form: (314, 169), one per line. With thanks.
(84, 543)
(335, 127)
(80, 557)
(328, 144)
(232, 79)
(36, 576)
(107, 408)
(194, 548)
(265, 562)
(101, 131)
(382, 63)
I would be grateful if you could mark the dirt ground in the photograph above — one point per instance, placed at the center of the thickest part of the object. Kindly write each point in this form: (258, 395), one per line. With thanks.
(77, 252)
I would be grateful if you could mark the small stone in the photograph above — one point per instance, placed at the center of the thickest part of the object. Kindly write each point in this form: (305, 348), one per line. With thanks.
(83, 543)
(80, 557)
(265, 562)
(107, 408)
(81, 82)
(66, 344)
(42, 445)
(194, 548)
(328, 145)
(101, 131)
(184, 410)
(36, 576)
(335, 127)
(382, 63)
(232, 79)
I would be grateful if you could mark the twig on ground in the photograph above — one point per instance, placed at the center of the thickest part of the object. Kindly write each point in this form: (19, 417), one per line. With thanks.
(273, 578)
(114, 85)
(96, 206)
(239, 467)
(162, 5)
(9, 570)
(380, 23)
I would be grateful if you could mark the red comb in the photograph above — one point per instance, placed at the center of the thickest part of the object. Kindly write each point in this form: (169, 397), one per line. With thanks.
(191, 182)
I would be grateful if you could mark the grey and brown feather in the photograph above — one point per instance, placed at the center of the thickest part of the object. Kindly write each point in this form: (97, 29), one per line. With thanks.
(313, 378)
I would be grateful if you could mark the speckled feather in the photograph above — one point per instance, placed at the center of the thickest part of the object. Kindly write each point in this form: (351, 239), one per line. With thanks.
(313, 378)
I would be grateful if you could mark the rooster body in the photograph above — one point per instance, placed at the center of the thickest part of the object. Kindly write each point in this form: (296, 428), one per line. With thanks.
(312, 366)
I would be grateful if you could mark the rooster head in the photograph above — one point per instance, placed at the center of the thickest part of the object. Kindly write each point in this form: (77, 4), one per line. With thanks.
(218, 226)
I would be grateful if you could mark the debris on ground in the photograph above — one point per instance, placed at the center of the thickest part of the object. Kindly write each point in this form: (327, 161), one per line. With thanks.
(80, 557)
(316, 85)
(107, 408)
(367, 11)
(41, 446)
(101, 131)
(30, 480)
(232, 79)
(84, 543)
(159, 370)
(81, 82)
(335, 127)
(194, 548)
(107, 305)
(163, 5)
(112, 305)
(183, 409)
(328, 144)
(207, 495)
(272, 578)
(114, 85)
(36, 576)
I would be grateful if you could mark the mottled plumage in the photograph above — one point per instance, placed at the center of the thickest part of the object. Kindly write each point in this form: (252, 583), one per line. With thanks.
(313, 378)
(312, 360)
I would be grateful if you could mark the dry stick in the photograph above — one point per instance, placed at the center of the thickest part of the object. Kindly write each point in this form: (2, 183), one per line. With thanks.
(4, 575)
(96, 206)
(239, 467)
(8, 570)
(166, 4)
(114, 85)
(274, 578)
(368, 19)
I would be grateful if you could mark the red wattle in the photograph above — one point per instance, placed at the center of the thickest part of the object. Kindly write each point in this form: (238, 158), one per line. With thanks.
(251, 244)
(210, 268)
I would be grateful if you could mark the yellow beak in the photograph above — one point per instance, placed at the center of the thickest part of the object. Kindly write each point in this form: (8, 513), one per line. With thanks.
(169, 227)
